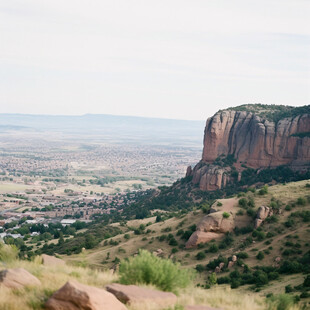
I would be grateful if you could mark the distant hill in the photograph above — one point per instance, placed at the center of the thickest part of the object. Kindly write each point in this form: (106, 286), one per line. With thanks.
(112, 127)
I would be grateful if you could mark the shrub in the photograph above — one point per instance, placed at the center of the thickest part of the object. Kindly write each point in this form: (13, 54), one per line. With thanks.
(263, 190)
(146, 268)
(226, 215)
(243, 202)
(8, 252)
(301, 201)
(260, 256)
(288, 289)
(173, 242)
(200, 255)
(213, 248)
(212, 279)
(242, 255)
(199, 268)
(307, 282)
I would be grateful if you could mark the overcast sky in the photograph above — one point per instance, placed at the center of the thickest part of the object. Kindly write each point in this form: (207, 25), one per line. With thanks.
(159, 58)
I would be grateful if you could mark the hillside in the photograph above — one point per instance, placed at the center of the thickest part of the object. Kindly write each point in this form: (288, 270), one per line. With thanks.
(283, 238)
(271, 260)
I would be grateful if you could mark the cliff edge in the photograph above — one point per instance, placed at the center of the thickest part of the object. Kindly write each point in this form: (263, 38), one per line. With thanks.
(252, 136)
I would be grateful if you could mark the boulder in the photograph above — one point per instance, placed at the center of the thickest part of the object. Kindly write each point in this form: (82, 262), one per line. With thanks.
(52, 260)
(258, 223)
(133, 294)
(77, 296)
(215, 222)
(230, 264)
(221, 265)
(17, 278)
(234, 258)
(262, 213)
(201, 237)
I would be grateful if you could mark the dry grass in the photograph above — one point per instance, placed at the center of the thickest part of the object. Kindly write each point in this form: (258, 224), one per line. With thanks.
(52, 278)
(222, 297)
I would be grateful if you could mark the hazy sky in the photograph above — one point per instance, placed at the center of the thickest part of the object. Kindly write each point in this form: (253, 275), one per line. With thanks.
(159, 58)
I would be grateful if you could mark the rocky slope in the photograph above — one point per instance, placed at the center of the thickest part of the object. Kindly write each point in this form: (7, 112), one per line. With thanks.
(253, 139)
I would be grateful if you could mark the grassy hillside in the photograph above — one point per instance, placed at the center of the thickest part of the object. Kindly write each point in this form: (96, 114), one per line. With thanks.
(284, 235)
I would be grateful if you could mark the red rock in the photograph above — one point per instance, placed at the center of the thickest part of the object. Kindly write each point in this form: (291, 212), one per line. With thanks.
(251, 139)
(77, 296)
(198, 237)
(18, 278)
(133, 294)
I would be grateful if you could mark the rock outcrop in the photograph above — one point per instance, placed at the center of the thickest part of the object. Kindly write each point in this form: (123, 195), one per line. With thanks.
(262, 213)
(212, 226)
(17, 278)
(75, 296)
(250, 139)
(132, 294)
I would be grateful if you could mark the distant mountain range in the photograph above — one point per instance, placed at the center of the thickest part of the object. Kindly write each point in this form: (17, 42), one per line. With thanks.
(112, 127)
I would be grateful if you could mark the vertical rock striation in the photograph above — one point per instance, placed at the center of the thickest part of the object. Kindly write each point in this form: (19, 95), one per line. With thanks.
(252, 140)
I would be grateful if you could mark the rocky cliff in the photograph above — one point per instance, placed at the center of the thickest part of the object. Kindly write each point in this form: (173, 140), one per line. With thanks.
(236, 139)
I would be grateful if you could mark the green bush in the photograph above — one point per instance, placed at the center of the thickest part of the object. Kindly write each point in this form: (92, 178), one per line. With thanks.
(260, 256)
(200, 255)
(301, 201)
(226, 215)
(8, 252)
(263, 190)
(243, 202)
(242, 255)
(146, 268)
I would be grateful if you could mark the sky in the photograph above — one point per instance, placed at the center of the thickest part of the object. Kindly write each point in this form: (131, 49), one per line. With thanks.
(181, 59)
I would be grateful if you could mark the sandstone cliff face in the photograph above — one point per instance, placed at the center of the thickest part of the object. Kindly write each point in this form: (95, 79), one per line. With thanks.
(252, 140)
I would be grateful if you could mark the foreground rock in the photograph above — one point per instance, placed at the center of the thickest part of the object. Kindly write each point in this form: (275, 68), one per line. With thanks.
(77, 296)
(52, 260)
(17, 278)
(133, 294)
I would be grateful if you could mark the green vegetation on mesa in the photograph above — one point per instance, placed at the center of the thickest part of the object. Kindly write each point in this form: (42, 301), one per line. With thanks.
(272, 112)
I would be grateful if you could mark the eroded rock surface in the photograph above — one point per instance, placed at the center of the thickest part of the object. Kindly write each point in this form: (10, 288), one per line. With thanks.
(253, 140)
(262, 213)
(18, 278)
(212, 226)
(77, 296)
(133, 294)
